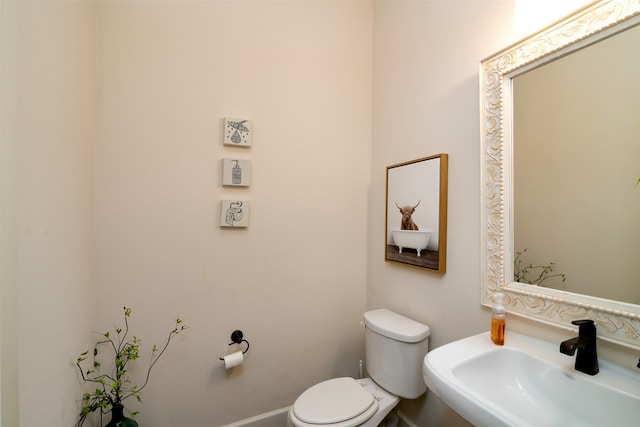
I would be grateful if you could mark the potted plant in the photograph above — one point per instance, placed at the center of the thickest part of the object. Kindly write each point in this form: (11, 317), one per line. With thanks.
(114, 387)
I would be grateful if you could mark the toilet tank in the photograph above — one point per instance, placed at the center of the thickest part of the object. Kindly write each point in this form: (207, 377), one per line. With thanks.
(395, 350)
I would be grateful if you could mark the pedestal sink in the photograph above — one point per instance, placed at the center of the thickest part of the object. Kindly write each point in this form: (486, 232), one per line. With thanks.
(528, 382)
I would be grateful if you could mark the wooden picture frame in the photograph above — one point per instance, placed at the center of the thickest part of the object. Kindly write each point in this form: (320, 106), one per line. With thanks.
(416, 213)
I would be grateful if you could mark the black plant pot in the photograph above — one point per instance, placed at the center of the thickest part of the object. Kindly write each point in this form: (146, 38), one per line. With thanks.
(118, 419)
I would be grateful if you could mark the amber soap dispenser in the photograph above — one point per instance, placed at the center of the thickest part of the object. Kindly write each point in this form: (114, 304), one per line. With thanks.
(498, 320)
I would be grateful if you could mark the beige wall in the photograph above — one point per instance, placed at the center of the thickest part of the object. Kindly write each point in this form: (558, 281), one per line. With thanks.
(294, 280)
(47, 94)
(166, 73)
(426, 57)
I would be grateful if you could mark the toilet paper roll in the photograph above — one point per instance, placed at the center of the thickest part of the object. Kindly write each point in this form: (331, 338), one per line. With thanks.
(233, 359)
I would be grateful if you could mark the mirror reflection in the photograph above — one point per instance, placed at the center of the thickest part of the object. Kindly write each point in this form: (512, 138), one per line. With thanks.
(576, 155)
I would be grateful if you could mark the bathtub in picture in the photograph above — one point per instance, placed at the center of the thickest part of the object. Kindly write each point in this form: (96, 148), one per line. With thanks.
(412, 239)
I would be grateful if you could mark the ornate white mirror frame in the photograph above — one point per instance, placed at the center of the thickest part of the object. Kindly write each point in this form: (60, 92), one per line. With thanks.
(617, 322)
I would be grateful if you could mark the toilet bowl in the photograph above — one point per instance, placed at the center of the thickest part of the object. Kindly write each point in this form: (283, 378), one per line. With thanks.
(395, 348)
(342, 402)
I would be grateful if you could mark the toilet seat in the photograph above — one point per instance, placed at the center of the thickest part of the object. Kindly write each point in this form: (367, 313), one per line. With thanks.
(338, 402)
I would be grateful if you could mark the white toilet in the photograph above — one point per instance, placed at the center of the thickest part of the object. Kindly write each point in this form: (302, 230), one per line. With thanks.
(395, 350)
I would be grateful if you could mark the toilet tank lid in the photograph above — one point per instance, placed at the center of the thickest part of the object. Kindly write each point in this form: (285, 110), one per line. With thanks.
(395, 326)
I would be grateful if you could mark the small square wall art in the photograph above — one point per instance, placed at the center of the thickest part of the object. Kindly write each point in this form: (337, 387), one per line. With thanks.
(236, 172)
(234, 213)
(237, 132)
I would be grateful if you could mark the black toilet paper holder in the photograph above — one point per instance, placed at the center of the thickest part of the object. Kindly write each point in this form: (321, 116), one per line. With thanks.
(237, 337)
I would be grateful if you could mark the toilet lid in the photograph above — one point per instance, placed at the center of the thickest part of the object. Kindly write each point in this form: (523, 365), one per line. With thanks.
(333, 401)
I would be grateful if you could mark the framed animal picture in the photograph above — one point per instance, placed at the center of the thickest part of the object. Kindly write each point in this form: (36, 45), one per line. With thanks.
(416, 213)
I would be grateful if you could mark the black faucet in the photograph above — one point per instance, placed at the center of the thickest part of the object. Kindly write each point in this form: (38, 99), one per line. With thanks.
(585, 343)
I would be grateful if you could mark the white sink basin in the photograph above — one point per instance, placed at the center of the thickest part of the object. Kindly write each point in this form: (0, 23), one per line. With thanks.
(528, 382)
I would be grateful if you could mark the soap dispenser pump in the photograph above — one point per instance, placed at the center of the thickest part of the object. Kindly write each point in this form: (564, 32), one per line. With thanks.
(498, 320)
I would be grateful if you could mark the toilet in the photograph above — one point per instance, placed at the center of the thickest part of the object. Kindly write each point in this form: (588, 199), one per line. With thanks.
(395, 349)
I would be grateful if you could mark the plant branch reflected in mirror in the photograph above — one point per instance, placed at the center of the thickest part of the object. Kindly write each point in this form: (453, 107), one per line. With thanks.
(534, 274)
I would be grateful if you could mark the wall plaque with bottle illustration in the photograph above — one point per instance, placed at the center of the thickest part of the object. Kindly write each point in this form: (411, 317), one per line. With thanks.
(236, 172)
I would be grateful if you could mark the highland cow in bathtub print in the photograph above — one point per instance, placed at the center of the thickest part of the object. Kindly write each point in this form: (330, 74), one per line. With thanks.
(416, 215)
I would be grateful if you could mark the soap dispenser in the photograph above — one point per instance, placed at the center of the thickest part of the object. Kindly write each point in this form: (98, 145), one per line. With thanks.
(498, 319)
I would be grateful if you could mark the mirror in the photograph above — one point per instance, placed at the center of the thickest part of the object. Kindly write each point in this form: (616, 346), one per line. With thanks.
(616, 314)
(576, 207)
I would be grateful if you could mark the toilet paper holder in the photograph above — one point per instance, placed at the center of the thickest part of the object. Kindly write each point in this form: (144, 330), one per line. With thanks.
(237, 337)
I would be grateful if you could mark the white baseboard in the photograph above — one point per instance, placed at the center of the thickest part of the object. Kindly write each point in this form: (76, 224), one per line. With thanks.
(277, 418)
